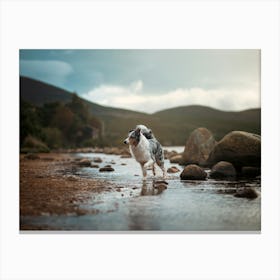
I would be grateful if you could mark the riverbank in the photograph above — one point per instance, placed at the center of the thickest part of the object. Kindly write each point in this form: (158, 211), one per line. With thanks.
(49, 186)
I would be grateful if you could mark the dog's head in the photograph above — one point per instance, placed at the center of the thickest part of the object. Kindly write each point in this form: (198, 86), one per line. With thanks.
(133, 137)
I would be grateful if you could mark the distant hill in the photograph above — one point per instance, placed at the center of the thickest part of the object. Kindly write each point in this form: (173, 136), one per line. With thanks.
(171, 126)
(219, 122)
(39, 93)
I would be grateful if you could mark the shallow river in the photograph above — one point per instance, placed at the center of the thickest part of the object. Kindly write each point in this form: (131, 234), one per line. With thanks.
(183, 206)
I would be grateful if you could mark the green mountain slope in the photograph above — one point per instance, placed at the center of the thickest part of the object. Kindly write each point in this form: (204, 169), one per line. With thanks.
(171, 126)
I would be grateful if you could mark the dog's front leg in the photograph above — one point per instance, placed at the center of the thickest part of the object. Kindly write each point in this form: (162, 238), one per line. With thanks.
(154, 169)
(144, 171)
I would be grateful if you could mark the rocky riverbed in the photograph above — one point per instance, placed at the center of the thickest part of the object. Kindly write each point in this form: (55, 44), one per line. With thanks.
(97, 191)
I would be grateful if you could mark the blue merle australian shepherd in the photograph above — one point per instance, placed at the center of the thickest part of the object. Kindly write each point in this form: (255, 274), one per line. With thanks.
(145, 148)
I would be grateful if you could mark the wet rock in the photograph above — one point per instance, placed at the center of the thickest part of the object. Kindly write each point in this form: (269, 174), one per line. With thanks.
(112, 151)
(198, 147)
(32, 156)
(160, 186)
(98, 150)
(193, 172)
(72, 178)
(45, 214)
(173, 169)
(84, 150)
(168, 155)
(223, 170)
(81, 212)
(88, 150)
(239, 148)
(94, 165)
(161, 182)
(84, 162)
(250, 172)
(247, 193)
(227, 191)
(106, 169)
(123, 163)
(108, 165)
(126, 156)
(97, 159)
(176, 159)
(125, 152)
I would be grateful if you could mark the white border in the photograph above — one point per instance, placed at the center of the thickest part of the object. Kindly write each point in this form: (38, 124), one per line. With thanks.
(157, 24)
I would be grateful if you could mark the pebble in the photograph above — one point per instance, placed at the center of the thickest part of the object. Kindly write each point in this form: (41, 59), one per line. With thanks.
(106, 169)
(97, 159)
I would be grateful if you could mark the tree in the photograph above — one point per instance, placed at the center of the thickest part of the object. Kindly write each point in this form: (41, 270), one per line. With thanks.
(29, 121)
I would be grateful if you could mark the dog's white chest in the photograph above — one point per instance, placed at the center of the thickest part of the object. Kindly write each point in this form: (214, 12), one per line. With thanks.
(141, 152)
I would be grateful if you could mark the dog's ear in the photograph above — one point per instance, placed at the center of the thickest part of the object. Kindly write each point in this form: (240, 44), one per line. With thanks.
(137, 131)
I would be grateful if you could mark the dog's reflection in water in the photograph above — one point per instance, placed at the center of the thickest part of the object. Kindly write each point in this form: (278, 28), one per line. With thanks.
(153, 188)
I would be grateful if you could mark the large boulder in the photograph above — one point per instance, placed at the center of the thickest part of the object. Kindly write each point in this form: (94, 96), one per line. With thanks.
(239, 148)
(223, 170)
(198, 147)
(193, 172)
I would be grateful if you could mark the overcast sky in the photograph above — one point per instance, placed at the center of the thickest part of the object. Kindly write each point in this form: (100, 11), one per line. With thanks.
(151, 80)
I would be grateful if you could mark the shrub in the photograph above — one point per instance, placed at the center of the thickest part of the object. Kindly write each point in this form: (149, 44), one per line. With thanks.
(53, 137)
(34, 145)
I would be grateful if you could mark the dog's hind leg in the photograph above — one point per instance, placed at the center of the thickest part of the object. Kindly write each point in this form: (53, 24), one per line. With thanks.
(161, 166)
(148, 163)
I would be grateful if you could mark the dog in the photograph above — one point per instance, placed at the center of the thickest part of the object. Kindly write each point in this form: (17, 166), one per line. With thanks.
(146, 150)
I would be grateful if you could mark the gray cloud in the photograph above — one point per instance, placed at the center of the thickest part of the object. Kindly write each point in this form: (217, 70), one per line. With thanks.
(50, 71)
(151, 80)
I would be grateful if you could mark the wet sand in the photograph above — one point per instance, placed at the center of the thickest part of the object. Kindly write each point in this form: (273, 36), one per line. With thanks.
(48, 187)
